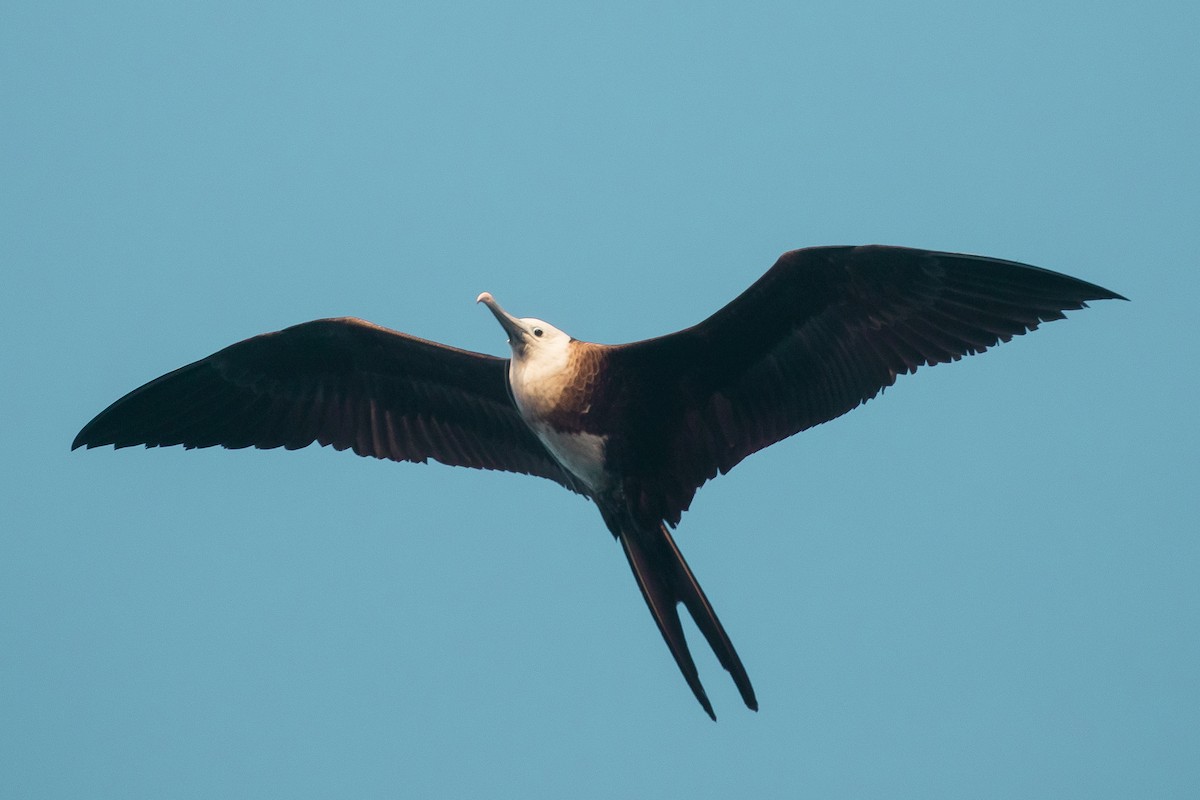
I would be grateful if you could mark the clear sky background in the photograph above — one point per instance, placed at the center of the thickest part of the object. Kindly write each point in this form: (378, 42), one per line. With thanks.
(984, 584)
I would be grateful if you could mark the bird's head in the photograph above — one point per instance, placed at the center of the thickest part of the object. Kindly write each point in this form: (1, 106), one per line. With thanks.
(529, 338)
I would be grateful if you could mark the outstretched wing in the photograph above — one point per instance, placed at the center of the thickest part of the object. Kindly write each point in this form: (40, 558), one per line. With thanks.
(825, 330)
(340, 382)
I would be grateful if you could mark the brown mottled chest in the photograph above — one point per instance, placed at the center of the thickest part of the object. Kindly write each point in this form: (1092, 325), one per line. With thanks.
(557, 394)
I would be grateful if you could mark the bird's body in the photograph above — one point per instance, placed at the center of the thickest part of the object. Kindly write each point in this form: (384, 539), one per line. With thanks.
(552, 385)
(637, 428)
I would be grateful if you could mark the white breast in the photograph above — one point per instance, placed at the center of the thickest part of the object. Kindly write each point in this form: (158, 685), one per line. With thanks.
(581, 453)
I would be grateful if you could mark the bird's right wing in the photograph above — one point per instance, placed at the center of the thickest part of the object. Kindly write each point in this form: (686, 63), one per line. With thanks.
(340, 382)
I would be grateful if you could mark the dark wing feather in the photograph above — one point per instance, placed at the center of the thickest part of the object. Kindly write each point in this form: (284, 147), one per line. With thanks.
(823, 331)
(340, 382)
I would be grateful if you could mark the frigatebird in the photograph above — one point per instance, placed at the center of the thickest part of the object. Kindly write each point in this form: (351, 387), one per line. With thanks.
(637, 427)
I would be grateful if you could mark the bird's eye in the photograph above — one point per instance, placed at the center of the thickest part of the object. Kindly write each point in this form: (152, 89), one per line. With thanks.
(538, 332)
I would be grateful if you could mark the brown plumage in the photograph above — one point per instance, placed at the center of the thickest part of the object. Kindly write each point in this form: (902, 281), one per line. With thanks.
(636, 427)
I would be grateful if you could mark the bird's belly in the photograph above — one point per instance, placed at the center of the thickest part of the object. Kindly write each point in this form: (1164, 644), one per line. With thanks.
(581, 453)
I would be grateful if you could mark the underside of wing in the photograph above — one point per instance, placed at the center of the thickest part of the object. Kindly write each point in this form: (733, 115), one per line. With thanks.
(339, 382)
(825, 330)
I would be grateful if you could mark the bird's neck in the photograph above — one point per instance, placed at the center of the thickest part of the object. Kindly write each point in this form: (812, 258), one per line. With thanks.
(542, 380)
(556, 395)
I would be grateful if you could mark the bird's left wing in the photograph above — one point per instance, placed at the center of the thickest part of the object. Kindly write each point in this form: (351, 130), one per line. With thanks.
(824, 330)
(340, 382)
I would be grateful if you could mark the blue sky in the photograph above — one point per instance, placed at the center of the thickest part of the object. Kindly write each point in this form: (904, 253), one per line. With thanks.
(983, 584)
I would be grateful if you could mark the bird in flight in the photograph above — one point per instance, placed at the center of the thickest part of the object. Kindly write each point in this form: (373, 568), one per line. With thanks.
(637, 428)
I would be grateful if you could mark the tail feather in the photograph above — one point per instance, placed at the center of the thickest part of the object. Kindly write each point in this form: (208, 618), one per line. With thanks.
(665, 580)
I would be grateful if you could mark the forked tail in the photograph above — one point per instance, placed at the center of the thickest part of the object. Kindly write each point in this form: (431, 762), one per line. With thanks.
(666, 581)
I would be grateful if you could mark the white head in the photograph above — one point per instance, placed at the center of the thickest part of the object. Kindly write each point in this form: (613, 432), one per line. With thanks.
(530, 339)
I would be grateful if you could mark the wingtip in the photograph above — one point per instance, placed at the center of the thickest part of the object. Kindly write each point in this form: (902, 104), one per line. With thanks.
(1100, 293)
(87, 438)
(1096, 292)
